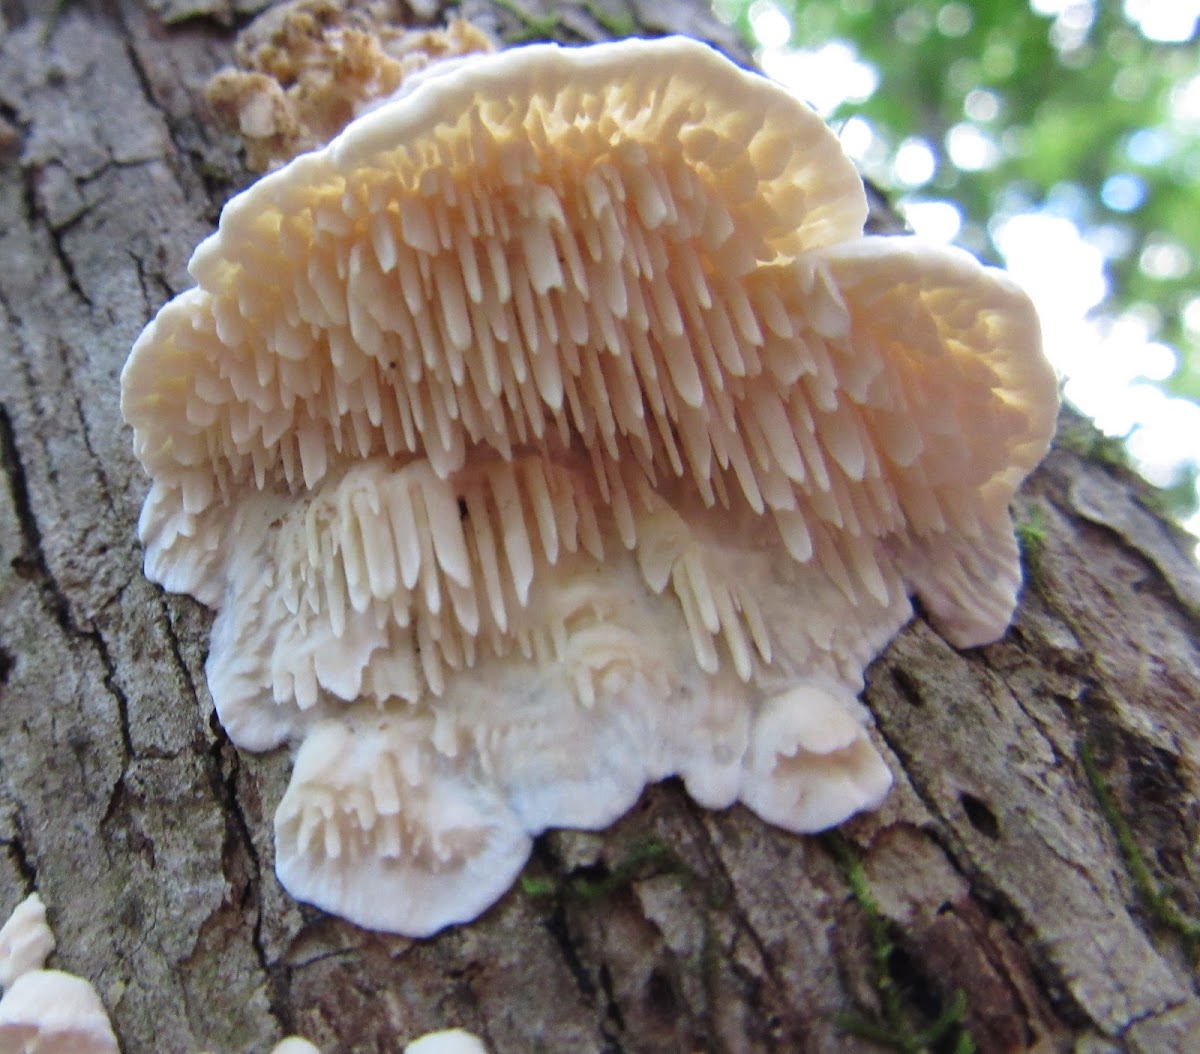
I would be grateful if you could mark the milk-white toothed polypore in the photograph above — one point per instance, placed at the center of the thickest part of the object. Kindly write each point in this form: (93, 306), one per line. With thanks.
(45, 1011)
(555, 430)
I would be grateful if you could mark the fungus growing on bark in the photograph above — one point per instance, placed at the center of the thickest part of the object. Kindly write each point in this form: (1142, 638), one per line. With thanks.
(291, 1045)
(306, 68)
(45, 1011)
(448, 1041)
(555, 430)
(51, 1012)
(25, 940)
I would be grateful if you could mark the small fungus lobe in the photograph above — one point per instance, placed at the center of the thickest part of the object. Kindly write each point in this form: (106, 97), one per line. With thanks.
(295, 1045)
(25, 940)
(447, 1041)
(554, 430)
(45, 1011)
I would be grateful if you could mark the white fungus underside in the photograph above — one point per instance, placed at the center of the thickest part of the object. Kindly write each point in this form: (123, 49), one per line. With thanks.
(509, 424)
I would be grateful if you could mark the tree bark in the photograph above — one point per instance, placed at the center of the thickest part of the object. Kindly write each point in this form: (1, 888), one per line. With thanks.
(992, 888)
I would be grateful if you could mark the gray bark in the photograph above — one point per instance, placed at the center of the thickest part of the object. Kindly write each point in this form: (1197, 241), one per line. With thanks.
(148, 835)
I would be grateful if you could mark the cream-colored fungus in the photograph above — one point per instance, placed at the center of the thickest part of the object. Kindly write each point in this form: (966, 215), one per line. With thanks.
(45, 1011)
(306, 68)
(447, 1041)
(25, 940)
(554, 430)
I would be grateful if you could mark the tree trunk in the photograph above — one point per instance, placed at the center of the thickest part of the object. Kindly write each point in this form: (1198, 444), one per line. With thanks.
(994, 889)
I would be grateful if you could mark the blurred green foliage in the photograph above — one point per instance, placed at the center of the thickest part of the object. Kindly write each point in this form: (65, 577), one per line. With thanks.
(1089, 118)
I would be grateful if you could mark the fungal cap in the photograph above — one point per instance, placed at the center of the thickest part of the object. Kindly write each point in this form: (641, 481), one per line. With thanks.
(251, 378)
(370, 830)
(25, 940)
(811, 763)
(50, 1012)
(981, 401)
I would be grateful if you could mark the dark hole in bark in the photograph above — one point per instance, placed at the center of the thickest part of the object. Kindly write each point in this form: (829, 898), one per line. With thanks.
(24, 568)
(660, 998)
(980, 816)
(907, 686)
(1154, 774)
(907, 972)
(921, 991)
(6, 664)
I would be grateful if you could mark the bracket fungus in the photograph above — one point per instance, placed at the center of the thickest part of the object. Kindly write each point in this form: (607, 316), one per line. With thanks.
(554, 430)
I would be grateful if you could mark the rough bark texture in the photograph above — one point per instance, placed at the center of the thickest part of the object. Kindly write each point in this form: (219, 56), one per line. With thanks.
(992, 868)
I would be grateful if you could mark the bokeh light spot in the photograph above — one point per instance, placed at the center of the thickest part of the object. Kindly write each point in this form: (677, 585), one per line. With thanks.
(939, 221)
(772, 28)
(1164, 259)
(1167, 21)
(971, 148)
(1123, 192)
(955, 20)
(981, 105)
(915, 162)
